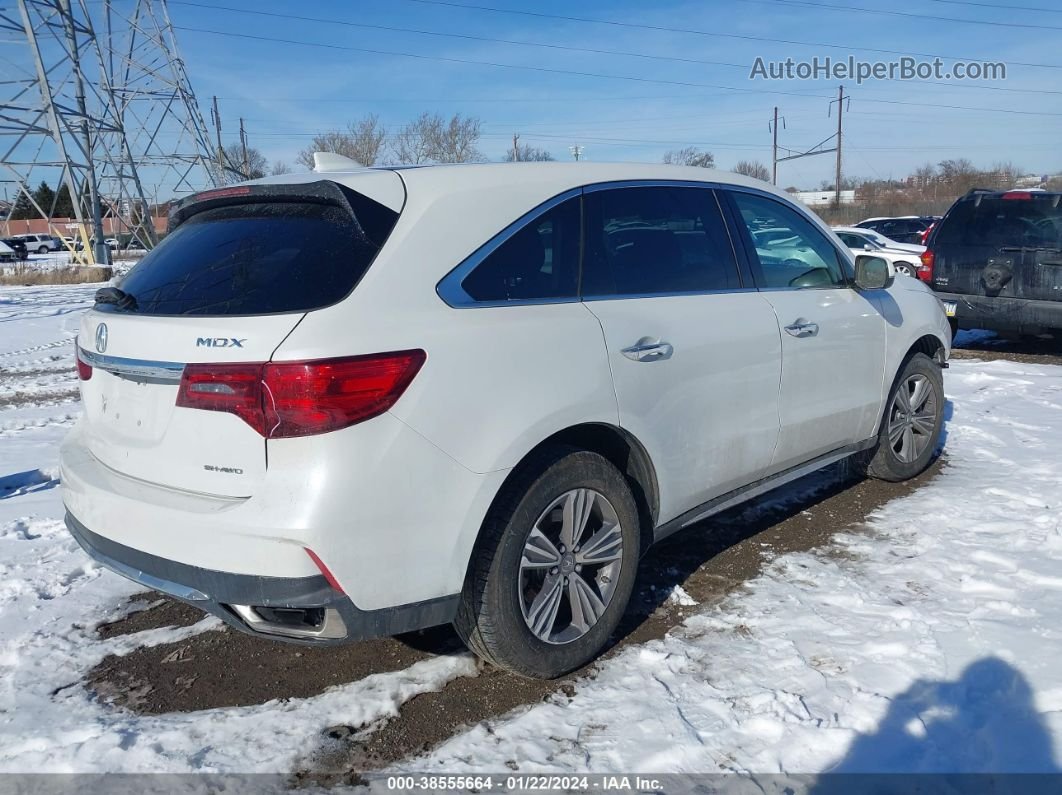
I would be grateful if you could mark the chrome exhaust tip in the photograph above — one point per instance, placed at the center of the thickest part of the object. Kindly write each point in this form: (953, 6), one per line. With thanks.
(307, 623)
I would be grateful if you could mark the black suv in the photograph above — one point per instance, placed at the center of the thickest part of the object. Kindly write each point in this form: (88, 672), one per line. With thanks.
(903, 230)
(995, 261)
(18, 246)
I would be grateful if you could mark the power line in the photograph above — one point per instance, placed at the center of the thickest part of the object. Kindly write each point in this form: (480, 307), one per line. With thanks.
(999, 7)
(907, 14)
(466, 36)
(493, 64)
(594, 74)
(693, 31)
(566, 48)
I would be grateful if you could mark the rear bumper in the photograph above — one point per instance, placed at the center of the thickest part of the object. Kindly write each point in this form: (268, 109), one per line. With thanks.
(998, 313)
(303, 610)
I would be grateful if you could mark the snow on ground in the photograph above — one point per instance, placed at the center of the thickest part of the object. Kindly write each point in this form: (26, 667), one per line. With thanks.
(927, 640)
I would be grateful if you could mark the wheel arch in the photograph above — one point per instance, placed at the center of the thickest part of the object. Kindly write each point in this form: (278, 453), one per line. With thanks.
(616, 445)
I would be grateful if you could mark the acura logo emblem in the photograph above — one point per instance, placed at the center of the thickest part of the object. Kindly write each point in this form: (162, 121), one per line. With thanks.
(101, 337)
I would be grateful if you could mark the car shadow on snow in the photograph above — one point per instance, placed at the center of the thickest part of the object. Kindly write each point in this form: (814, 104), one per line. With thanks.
(984, 722)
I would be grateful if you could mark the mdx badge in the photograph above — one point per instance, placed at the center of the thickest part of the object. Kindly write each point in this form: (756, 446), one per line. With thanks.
(101, 337)
(219, 342)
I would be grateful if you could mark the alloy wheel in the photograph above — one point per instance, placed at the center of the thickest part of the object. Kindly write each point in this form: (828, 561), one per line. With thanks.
(912, 418)
(570, 566)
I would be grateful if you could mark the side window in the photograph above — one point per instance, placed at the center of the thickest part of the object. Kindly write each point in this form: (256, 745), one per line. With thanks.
(791, 251)
(540, 260)
(656, 240)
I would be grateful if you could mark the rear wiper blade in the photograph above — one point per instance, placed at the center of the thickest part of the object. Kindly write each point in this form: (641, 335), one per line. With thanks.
(117, 297)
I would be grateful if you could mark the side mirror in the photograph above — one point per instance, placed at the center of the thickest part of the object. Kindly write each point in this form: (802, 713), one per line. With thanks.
(867, 247)
(872, 273)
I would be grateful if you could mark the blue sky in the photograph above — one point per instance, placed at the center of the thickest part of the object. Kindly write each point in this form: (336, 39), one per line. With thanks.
(286, 92)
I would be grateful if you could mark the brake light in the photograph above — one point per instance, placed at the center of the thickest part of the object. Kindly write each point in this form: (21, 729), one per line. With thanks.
(1017, 194)
(286, 399)
(925, 270)
(84, 369)
(222, 193)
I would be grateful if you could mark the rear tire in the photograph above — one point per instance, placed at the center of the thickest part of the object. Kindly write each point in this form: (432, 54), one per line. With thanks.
(532, 604)
(905, 267)
(911, 426)
(42, 250)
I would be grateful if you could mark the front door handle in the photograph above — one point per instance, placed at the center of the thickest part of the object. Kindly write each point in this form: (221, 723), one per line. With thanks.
(648, 350)
(802, 328)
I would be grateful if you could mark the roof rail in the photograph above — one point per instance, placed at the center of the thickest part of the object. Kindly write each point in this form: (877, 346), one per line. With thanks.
(972, 191)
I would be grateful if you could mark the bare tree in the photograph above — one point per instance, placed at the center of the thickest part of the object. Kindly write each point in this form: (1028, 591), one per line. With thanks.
(432, 139)
(754, 169)
(526, 152)
(279, 167)
(362, 141)
(689, 156)
(236, 170)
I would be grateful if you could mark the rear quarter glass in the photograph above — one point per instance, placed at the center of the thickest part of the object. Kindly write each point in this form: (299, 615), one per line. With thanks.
(260, 258)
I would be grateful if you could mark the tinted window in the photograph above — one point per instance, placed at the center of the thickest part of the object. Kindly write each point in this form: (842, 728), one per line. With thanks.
(996, 222)
(541, 260)
(254, 259)
(853, 241)
(791, 250)
(645, 241)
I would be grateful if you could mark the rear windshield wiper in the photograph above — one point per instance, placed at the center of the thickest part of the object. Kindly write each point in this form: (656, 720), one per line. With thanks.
(119, 298)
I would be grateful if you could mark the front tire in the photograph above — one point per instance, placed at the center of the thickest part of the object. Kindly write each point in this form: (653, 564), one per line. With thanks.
(905, 267)
(911, 426)
(42, 250)
(554, 567)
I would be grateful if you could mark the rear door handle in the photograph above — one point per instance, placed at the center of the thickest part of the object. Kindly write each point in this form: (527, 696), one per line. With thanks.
(648, 350)
(802, 328)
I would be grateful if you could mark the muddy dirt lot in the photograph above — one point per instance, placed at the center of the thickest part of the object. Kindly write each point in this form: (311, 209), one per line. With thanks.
(225, 668)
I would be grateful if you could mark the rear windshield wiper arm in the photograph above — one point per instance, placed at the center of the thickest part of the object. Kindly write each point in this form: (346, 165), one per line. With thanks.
(117, 297)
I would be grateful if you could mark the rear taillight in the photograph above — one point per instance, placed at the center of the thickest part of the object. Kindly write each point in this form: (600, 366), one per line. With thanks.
(84, 369)
(285, 399)
(925, 270)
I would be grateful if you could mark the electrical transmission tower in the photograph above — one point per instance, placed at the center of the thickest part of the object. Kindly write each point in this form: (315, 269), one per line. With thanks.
(98, 102)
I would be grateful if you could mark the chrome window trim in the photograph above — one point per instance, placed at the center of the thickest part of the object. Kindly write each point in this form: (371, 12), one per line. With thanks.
(134, 369)
(449, 288)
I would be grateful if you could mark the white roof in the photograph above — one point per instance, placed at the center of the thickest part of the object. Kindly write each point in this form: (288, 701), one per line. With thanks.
(388, 185)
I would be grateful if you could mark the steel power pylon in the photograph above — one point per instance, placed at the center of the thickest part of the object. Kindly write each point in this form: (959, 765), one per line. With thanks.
(97, 99)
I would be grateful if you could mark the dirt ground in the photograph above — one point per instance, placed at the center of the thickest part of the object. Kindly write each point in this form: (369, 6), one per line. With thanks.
(226, 668)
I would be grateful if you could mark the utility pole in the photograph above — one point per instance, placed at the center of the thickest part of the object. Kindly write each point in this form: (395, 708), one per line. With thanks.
(216, 118)
(837, 175)
(774, 150)
(576, 151)
(516, 147)
(243, 146)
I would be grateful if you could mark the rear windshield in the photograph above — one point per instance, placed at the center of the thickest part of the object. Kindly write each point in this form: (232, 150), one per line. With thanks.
(258, 259)
(998, 223)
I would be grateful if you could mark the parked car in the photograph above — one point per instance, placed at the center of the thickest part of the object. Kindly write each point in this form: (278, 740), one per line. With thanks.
(905, 262)
(40, 244)
(362, 402)
(995, 260)
(881, 240)
(18, 248)
(906, 229)
(7, 253)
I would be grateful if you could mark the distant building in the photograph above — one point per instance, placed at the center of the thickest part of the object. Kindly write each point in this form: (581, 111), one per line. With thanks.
(824, 198)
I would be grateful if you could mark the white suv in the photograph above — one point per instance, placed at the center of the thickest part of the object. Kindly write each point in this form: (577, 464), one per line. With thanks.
(41, 244)
(358, 402)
